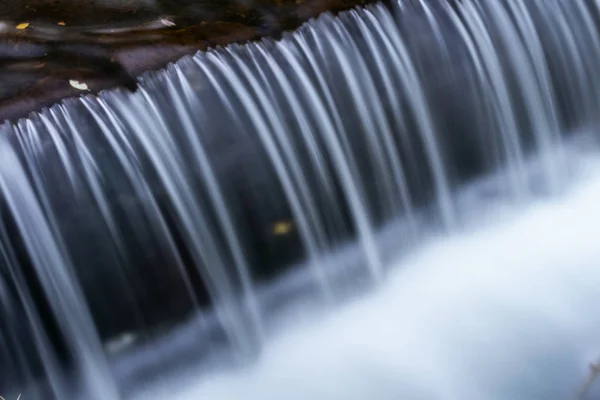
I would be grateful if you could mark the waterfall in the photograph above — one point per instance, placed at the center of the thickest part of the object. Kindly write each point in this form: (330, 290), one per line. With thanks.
(244, 180)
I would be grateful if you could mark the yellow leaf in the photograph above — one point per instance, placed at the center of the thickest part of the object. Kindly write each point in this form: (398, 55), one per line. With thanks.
(23, 25)
(61, 23)
(283, 227)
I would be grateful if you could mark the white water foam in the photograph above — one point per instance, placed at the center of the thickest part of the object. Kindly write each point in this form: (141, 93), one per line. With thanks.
(507, 310)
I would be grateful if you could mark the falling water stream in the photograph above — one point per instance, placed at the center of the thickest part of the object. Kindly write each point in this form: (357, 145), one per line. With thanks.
(395, 202)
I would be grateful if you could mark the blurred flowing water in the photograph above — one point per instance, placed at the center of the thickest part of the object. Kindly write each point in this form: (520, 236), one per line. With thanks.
(505, 309)
(217, 225)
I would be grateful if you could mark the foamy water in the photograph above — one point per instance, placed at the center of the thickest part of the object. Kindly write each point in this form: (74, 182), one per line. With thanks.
(507, 310)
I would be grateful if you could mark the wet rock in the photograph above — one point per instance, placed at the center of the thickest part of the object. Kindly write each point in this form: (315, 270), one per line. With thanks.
(103, 43)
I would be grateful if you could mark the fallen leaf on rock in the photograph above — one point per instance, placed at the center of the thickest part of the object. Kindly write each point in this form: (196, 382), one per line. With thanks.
(167, 22)
(23, 25)
(78, 85)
